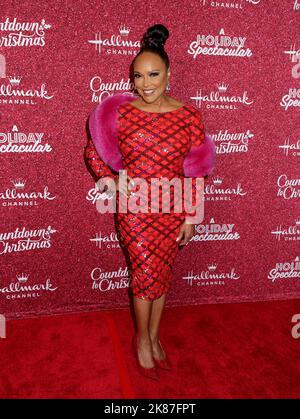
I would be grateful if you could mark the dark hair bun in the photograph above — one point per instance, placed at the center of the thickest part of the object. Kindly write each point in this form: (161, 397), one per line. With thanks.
(156, 36)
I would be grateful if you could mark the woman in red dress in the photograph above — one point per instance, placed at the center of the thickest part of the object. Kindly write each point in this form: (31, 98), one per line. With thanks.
(151, 135)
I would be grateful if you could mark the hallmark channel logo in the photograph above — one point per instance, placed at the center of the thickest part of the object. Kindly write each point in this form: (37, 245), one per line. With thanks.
(13, 92)
(25, 240)
(290, 148)
(106, 241)
(105, 281)
(219, 45)
(210, 277)
(16, 141)
(119, 43)
(214, 232)
(288, 188)
(294, 56)
(232, 143)
(288, 233)
(18, 196)
(22, 34)
(221, 99)
(217, 191)
(285, 270)
(23, 288)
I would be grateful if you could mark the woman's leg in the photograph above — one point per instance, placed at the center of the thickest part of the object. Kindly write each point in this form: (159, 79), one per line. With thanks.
(142, 309)
(156, 315)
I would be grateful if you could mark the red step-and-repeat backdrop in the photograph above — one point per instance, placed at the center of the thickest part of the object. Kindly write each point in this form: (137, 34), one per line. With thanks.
(237, 61)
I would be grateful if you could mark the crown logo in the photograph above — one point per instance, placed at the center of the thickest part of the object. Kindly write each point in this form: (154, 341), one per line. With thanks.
(222, 87)
(15, 81)
(123, 30)
(19, 183)
(217, 181)
(22, 277)
(298, 222)
(212, 267)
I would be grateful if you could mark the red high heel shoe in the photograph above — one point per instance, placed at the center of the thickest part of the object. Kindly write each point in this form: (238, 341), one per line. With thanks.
(146, 372)
(165, 363)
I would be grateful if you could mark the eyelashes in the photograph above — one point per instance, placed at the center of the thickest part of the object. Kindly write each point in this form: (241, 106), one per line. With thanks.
(152, 74)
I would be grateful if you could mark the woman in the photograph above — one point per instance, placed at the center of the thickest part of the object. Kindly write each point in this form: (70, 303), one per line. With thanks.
(150, 135)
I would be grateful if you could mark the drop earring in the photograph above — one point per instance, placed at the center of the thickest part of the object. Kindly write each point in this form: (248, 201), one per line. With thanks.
(168, 86)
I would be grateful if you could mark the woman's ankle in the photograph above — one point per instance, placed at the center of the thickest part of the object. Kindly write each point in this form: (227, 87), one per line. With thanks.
(154, 339)
(144, 339)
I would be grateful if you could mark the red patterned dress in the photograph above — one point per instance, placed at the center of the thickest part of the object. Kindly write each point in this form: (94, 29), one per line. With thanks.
(153, 145)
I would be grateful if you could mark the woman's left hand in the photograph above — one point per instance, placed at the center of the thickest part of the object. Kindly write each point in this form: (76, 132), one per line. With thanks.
(186, 232)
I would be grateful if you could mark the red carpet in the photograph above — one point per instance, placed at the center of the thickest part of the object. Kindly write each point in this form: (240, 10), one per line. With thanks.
(218, 351)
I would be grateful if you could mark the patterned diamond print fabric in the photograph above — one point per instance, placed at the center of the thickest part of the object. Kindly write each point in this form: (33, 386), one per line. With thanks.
(153, 145)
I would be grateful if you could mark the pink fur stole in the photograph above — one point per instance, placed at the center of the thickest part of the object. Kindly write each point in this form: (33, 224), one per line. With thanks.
(198, 162)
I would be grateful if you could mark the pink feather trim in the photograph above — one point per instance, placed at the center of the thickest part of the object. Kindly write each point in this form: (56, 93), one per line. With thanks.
(198, 162)
(102, 125)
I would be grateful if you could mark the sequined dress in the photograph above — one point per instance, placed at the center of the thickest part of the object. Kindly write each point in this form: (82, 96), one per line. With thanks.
(153, 145)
